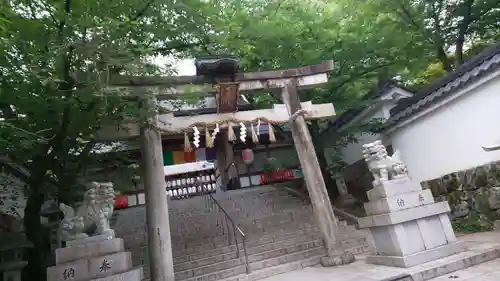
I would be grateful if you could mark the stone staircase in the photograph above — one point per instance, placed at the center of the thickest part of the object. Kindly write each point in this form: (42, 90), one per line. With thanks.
(281, 235)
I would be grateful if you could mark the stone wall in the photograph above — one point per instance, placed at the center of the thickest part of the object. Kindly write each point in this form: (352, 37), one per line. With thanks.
(473, 194)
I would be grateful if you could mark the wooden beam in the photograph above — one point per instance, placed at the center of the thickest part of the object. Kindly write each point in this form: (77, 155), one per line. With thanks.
(164, 92)
(208, 110)
(145, 81)
(175, 125)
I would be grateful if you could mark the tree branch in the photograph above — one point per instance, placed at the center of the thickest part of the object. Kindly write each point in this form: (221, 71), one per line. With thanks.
(142, 11)
(439, 44)
(435, 39)
(364, 72)
(182, 46)
(462, 30)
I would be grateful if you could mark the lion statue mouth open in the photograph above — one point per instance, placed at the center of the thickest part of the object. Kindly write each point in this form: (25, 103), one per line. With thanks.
(95, 212)
(381, 165)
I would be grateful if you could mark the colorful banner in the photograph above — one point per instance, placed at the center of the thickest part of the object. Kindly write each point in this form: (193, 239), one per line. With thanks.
(168, 158)
(178, 157)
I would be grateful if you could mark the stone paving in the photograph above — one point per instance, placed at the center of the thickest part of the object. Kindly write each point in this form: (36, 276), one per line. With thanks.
(488, 271)
(464, 266)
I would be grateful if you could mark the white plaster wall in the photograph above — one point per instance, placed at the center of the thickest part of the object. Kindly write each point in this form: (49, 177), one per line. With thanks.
(449, 139)
(352, 152)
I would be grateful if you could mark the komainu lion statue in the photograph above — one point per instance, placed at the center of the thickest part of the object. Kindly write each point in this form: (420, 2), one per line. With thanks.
(95, 212)
(381, 165)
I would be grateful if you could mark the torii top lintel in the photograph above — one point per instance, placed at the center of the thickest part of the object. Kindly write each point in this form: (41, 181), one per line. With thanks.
(172, 86)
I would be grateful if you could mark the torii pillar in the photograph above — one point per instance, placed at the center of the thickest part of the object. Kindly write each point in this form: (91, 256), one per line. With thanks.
(315, 183)
(161, 264)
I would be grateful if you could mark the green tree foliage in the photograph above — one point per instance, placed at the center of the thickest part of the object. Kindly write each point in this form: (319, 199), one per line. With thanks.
(55, 58)
(283, 34)
(449, 28)
(365, 47)
(415, 41)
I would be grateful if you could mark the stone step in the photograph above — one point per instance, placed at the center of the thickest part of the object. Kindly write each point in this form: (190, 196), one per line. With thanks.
(223, 240)
(251, 243)
(243, 206)
(276, 229)
(186, 241)
(356, 245)
(281, 236)
(248, 227)
(252, 259)
(209, 221)
(287, 267)
(274, 233)
(204, 258)
(241, 269)
(242, 213)
(193, 204)
(260, 191)
(246, 210)
(203, 251)
(275, 270)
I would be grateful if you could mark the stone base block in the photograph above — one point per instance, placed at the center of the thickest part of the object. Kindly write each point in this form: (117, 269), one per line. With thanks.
(89, 250)
(136, 274)
(92, 239)
(405, 215)
(420, 257)
(91, 268)
(392, 188)
(399, 202)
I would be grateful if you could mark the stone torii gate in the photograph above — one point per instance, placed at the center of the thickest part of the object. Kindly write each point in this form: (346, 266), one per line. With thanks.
(288, 82)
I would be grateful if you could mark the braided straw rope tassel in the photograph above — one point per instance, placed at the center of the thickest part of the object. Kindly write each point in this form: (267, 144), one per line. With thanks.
(187, 144)
(255, 138)
(230, 132)
(272, 137)
(208, 139)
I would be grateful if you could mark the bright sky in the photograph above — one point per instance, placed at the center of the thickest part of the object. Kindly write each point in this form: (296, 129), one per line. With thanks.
(185, 67)
(182, 66)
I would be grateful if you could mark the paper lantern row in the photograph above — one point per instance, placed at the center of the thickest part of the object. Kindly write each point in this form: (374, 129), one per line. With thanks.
(189, 181)
(192, 190)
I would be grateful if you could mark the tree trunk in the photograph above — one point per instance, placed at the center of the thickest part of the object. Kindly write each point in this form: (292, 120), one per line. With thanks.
(36, 234)
(443, 58)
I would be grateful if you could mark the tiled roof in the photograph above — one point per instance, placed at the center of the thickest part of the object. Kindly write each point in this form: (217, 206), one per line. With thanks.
(474, 69)
(350, 114)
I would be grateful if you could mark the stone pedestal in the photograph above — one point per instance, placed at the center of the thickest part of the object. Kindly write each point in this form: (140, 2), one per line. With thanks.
(407, 226)
(100, 258)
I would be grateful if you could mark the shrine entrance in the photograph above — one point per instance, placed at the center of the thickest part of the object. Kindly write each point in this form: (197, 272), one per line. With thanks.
(221, 127)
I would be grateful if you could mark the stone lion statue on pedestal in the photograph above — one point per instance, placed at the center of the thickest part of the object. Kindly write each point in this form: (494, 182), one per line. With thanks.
(95, 212)
(381, 165)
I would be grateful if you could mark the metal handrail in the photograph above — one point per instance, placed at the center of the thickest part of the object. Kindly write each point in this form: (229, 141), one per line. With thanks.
(228, 218)
(235, 227)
